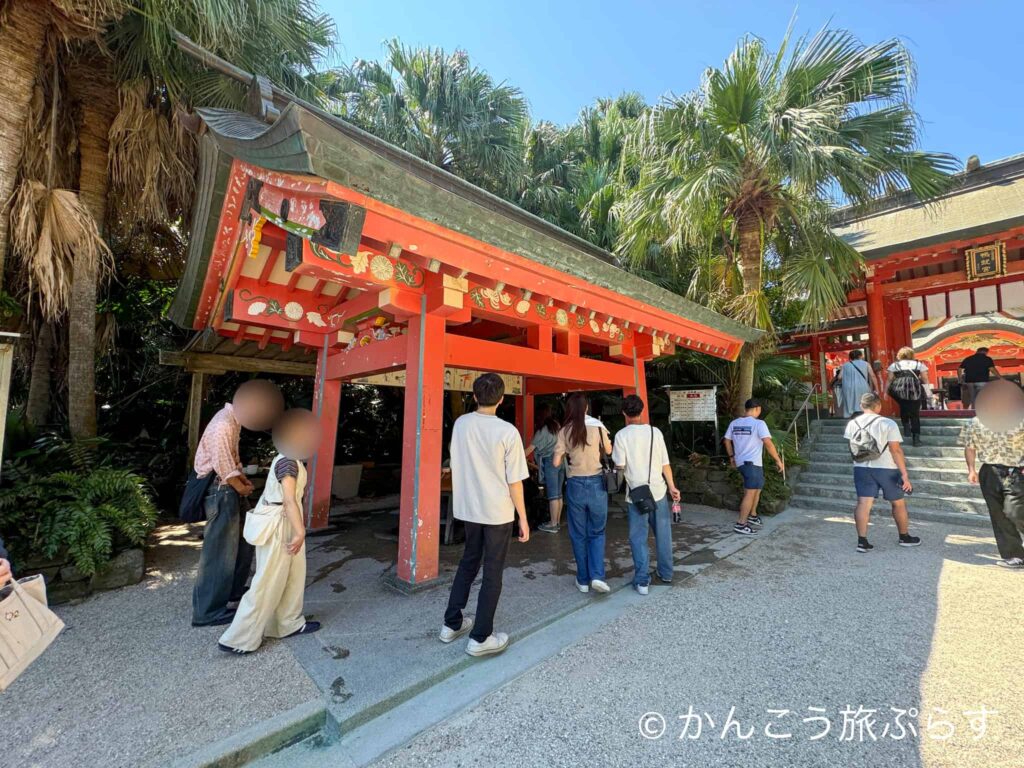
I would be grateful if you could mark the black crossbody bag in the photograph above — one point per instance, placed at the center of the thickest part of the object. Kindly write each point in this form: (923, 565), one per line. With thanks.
(608, 471)
(641, 496)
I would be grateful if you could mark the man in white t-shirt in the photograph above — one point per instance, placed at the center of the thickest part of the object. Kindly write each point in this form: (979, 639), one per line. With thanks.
(886, 473)
(641, 453)
(488, 465)
(745, 439)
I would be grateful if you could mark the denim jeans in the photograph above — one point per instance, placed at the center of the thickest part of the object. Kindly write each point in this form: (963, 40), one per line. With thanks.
(1003, 489)
(226, 558)
(488, 543)
(660, 524)
(586, 502)
(553, 477)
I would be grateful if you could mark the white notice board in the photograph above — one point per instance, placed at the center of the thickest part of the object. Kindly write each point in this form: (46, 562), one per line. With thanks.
(693, 404)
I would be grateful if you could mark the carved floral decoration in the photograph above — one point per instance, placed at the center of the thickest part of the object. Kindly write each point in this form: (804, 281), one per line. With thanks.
(381, 267)
(501, 301)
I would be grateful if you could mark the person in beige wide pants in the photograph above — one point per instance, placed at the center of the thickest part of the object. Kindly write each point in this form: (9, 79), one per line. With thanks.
(273, 605)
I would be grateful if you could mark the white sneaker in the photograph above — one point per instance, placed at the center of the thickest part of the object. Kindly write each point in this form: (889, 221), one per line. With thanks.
(600, 586)
(642, 589)
(582, 587)
(496, 643)
(448, 634)
(1014, 563)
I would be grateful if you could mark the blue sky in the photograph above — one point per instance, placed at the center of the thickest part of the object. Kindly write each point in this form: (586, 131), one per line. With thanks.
(563, 54)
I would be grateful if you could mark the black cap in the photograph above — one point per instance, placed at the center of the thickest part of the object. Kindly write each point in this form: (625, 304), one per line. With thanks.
(752, 403)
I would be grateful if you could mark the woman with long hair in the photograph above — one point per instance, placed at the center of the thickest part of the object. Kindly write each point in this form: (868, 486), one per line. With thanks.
(542, 449)
(581, 441)
(908, 385)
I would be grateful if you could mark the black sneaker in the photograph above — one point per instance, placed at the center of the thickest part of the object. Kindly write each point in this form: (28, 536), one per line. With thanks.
(755, 520)
(744, 530)
(906, 540)
(864, 546)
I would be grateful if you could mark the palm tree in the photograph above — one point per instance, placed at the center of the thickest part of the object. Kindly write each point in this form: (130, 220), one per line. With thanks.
(24, 25)
(440, 108)
(749, 164)
(134, 159)
(144, 91)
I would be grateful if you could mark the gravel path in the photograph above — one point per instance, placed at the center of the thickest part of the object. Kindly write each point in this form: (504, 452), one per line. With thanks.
(130, 683)
(798, 620)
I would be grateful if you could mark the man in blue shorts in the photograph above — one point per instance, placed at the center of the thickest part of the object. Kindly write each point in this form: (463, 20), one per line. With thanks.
(886, 473)
(745, 439)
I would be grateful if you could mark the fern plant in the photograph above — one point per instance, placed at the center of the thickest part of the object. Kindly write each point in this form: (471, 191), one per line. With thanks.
(91, 513)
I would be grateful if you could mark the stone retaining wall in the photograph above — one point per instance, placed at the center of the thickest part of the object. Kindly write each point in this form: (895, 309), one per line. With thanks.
(65, 582)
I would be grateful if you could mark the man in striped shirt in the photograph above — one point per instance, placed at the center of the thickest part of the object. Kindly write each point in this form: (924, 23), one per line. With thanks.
(226, 558)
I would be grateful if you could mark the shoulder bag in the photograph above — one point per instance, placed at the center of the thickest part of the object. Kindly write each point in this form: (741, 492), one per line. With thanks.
(192, 508)
(27, 626)
(608, 472)
(641, 497)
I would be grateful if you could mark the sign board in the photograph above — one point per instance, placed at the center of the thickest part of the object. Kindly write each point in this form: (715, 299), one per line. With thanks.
(986, 262)
(693, 404)
(455, 380)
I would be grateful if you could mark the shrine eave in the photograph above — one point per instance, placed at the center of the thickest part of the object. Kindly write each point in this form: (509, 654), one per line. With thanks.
(986, 201)
(345, 163)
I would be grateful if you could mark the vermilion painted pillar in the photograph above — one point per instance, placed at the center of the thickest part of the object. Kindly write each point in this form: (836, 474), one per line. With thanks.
(877, 335)
(817, 367)
(419, 527)
(326, 399)
(640, 384)
(524, 415)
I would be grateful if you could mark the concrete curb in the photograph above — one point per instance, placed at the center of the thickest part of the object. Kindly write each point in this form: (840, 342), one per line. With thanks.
(260, 739)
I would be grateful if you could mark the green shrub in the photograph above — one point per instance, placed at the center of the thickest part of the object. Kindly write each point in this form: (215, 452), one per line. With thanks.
(86, 509)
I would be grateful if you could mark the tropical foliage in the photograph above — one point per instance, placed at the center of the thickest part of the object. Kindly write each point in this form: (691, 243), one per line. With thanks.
(59, 498)
(744, 171)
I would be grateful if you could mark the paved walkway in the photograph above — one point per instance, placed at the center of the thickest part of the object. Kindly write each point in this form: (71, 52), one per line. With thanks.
(794, 621)
(130, 683)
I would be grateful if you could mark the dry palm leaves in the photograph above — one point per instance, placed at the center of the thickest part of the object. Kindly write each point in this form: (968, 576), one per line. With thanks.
(70, 18)
(151, 156)
(51, 226)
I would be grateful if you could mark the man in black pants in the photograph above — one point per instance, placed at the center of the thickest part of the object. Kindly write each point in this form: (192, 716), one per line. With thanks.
(975, 372)
(488, 466)
(995, 437)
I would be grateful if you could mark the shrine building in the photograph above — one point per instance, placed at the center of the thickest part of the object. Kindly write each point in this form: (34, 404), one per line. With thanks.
(336, 249)
(944, 278)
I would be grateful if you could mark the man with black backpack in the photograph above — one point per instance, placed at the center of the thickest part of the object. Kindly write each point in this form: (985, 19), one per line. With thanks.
(878, 465)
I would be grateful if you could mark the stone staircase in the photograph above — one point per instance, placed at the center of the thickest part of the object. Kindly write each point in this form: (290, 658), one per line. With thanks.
(936, 468)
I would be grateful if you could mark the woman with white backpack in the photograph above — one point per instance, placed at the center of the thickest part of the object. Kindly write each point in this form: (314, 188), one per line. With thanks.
(908, 386)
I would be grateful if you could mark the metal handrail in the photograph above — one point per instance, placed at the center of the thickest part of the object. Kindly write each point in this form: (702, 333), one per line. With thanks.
(815, 389)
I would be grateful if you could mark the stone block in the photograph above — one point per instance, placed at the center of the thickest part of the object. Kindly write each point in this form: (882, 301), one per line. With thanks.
(126, 568)
(70, 573)
(61, 592)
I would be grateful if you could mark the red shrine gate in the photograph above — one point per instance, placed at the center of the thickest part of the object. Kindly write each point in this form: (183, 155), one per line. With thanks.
(311, 234)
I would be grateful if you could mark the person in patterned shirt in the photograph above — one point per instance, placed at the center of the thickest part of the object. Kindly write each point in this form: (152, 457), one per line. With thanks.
(995, 439)
(226, 558)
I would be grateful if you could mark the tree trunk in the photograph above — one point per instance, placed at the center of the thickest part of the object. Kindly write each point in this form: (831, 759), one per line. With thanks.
(749, 259)
(21, 45)
(37, 407)
(98, 109)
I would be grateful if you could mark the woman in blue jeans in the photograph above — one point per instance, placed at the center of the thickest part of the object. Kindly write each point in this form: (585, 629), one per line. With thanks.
(542, 449)
(580, 442)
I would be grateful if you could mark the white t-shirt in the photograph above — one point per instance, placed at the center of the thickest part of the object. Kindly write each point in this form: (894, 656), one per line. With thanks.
(631, 450)
(486, 457)
(747, 435)
(884, 430)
